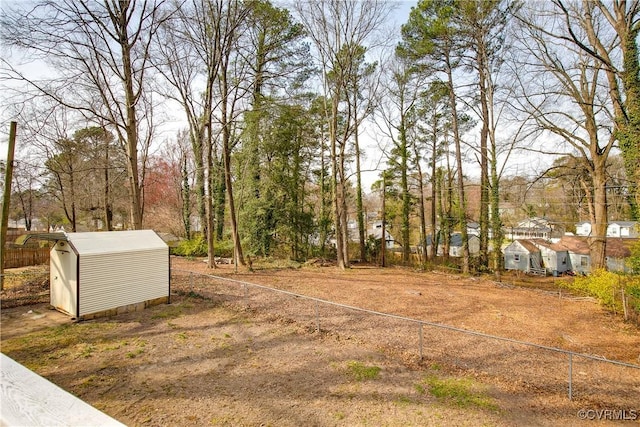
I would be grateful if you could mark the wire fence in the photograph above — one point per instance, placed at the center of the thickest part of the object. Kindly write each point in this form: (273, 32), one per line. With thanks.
(521, 367)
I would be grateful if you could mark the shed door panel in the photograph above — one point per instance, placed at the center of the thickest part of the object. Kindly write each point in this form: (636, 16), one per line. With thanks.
(62, 276)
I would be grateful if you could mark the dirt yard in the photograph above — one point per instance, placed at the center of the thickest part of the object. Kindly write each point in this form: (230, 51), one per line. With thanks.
(222, 355)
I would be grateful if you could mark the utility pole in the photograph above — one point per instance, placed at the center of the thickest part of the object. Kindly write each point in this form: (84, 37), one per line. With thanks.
(384, 220)
(6, 198)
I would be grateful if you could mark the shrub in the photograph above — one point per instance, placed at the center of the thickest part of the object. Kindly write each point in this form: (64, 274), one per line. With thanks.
(633, 290)
(223, 248)
(602, 285)
(196, 247)
(633, 262)
(607, 286)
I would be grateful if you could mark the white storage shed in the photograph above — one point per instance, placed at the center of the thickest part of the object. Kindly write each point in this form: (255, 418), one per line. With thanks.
(105, 273)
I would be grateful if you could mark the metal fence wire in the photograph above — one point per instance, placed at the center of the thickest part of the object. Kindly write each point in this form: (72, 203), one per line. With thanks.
(525, 365)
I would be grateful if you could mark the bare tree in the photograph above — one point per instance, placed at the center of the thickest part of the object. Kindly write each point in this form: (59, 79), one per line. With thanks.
(339, 30)
(432, 37)
(433, 130)
(400, 116)
(25, 192)
(608, 32)
(100, 52)
(201, 56)
(189, 59)
(482, 27)
(230, 89)
(566, 91)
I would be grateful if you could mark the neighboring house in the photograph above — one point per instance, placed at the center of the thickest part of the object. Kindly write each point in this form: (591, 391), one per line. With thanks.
(583, 228)
(36, 224)
(523, 255)
(617, 252)
(532, 228)
(555, 258)
(570, 253)
(352, 231)
(455, 245)
(473, 229)
(623, 229)
(376, 233)
(508, 210)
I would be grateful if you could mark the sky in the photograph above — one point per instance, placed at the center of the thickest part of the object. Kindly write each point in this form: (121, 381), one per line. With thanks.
(372, 160)
(371, 138)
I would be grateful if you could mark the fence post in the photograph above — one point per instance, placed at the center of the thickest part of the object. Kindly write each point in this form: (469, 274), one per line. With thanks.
(624, 305)
(317, 313)
(421, 353)
(570, 376)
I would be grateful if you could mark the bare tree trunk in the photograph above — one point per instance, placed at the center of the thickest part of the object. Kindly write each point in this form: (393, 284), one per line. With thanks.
(131, 100)
(186, 196)
(434, 189)
(108, 213)
(337, 188)
(359, 207)
(220, 197)
(406, 197)
(324, 211)
(598, 240)
(462, 212)
(383, 239)
(423, 219)
(484, 164)
(209, 229)
(226, 155)
(73, 201)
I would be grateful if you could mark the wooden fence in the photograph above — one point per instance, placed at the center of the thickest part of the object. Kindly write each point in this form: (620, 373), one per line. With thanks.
(23, 257)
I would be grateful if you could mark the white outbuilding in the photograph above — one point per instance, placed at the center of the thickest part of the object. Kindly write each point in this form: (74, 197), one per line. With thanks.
(105, 273)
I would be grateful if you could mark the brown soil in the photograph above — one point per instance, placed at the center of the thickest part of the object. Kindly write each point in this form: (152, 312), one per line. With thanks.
(245, 355)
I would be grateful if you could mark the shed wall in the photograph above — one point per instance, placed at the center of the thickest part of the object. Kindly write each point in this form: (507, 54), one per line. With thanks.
(577, 263)
(618, 265)
(555, 260)
(474, 245)
(113, 280)
(510, 262)
(513, 250)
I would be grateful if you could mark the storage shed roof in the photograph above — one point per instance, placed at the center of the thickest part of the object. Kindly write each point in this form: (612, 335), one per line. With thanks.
(103, 242)
(525, 244)
(616, 247)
